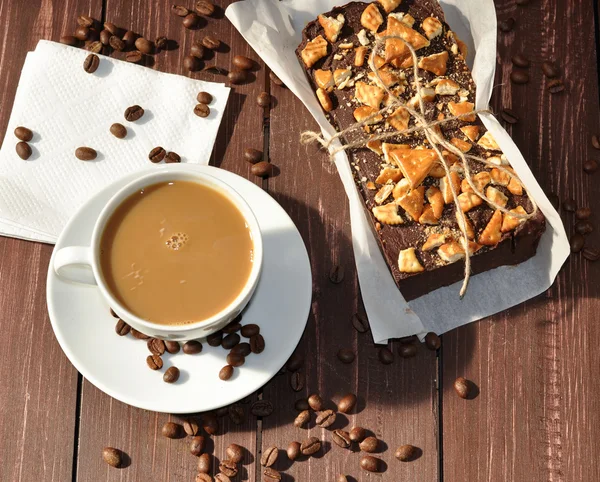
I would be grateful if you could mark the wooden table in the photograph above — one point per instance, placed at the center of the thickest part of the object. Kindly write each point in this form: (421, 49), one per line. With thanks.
(537, 413)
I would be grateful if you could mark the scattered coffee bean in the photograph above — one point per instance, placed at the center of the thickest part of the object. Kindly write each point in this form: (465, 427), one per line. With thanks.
(276, 80)
(271, 475)
(249, 330)
(235, 453)
(116, 43)
(122, 328)
(297, 381)
(138, 334)
(310, 446)
(263, 99)
(506, 25)
(144, 45)
(550, 70)
(210, 423)
(226, 372)
(85, 21)
(23, 150)
(202, 110)
(569, 205)
(295, 362)
(591, 254)
(230, 341)
(242, 349)
(197, 445)
(293, 450)
(556, 86)
(407, 351)
(204, 463)
(191, 20)
(370, 463)
(583, 213)
(129, 39)
(112, 456)
(385, 356)
(326, 418)
(228, 467)
(347, 403)
(584, 227)
(172, 346)
(69, 40)
(23, 134)
(252, 155)
(341, 438)
(596, 141)
(590, 166)
(82, 33)
(301, 404)
(85, 154)
(172, 158)
(105, 36)
(190, 427)
(197, 50)
(204, 98)
(111, 27)
(214, 339)
(234, 326)
(360, 322)
(346, 355)
(235, 360)
(237, 76)
(315, 402)
(336, 274)
(237, 414)
(118, 130)
(95, 47)
(262, 169)
(156, 346)
(302, 419)
(192, 347)
(369, 444)
(154, 362)
(211, 42)
(577, 242)
(357, 434)
(180, 10)
(171, 430)
(191, 63)
(161, 43)
(221, 477)
(261, 408)
(462, 386)
(242, 63)
(341, 478)
(202, 477)
(269, 456)
(519, 77)
(157, 154)
(432, 341)
(204, 7)
(520, 61)
(509, 116)
(171, 375)
(406, 453)
(133, 113)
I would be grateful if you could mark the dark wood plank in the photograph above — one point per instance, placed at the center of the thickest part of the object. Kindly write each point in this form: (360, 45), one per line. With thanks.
(536, 414)
(39, 385)
(397, 402)
(105, 421)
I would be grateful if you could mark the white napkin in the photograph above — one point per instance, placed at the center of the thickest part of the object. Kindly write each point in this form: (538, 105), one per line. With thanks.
(67, 108)
(274, 30)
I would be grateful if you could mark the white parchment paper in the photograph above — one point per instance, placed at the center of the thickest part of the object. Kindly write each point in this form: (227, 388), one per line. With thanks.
(274, 29)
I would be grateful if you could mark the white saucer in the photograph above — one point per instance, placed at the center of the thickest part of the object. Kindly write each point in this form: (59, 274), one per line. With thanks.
(117, 365)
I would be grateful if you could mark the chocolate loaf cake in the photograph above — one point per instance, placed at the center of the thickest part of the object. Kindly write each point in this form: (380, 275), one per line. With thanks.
(401, 181)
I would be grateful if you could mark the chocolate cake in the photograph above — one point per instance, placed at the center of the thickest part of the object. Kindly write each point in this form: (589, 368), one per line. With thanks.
(404, 187)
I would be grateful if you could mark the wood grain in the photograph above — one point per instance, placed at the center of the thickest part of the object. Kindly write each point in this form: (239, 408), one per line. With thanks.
(535, 416)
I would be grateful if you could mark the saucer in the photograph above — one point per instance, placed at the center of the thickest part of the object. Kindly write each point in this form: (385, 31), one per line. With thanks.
(117, 365)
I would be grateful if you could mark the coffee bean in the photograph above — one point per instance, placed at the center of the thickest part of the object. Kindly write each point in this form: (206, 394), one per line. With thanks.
(180, 10)
(590, 166)
(302, 419)
(85, 21)
(204, 463)
(129, 39)
(161, 43)
(139, 335)
(261, 408)
(204, 98)
(237, 414)
(295, 362)
(202, 110)
(346, 355)
(432, 341)
(263, 99)
(583, 213)
(584, 227)
(569, 205)
(197, 445)
(144, 45)
(133, 113)
(509, 116)
(105, 36)
(211, 42)
(310, 446)
(242, 349)
(221, 477)
(271, 475)
(118, 130)
(385, 356)
(326, 418)
(122, 328)
(233, 326)
(257, 344)
(315, 402)
(111, 27)
(191, 64)
(204, 7)
(369, 444)
(297, 381)
(242, 63)
(341, 478)
(214, 339)
(596, 141)
(112, 456)
(93, 35)
(519, 77)
(85, 154)
(226, 372)
(293, 451)
(171, 430)
(301, 404)
(95, 47)
(157, 154)
(248, 331)
(556, 86)
(154, 362)
(69, 40)
(82, 33)
(336, 274)
(116, 43)
(405, 453)
(252, 155)
(370, 463)
(197, 50)
(462, 387)
(357, 434)
(237, 76)
(171, 375)
(235, 453)
(591, 254)
(156, 346)
(235, 360)
(228, 467)
(550, 70)
(23, 134)
(172, 158)
(230, 341)
(191, 20)
(23, 150)
(276, 80)
(341, 438)
(192, 347)
(269, 456)
(407, 351)
(520, 61)
(506, 25)
(347, 403)
(210, 424)
(360, 322)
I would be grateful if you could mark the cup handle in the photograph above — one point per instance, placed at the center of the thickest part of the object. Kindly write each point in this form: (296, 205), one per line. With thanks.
(74, 263)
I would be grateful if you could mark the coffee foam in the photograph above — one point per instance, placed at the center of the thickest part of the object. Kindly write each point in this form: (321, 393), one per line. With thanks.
(177, 241)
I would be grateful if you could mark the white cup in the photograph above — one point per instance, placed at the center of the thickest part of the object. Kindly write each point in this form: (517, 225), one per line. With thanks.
(81, 264)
